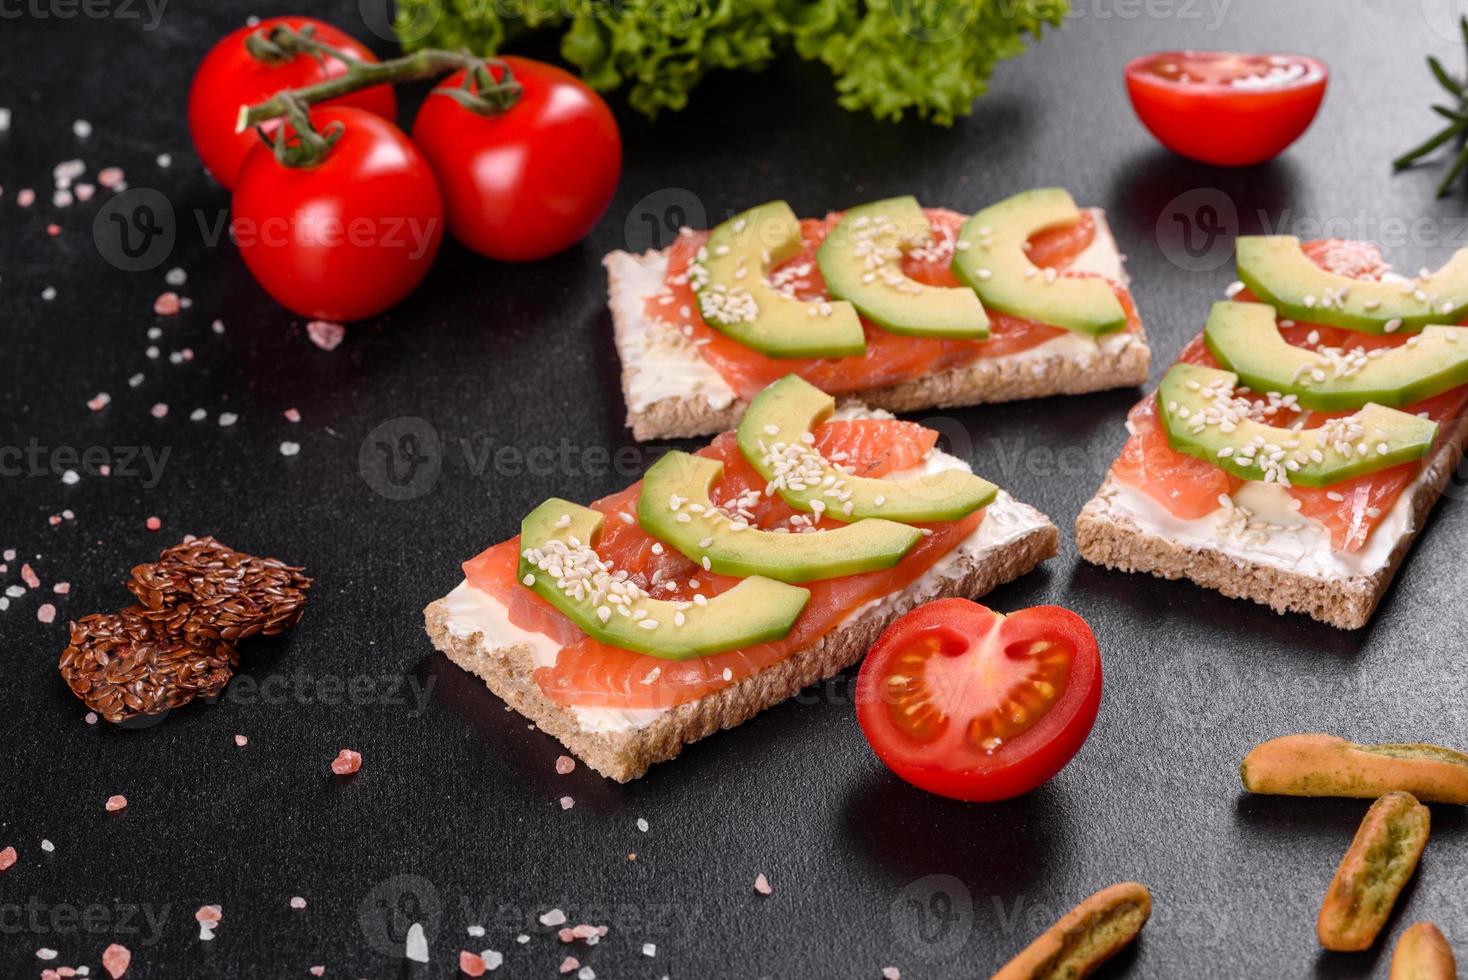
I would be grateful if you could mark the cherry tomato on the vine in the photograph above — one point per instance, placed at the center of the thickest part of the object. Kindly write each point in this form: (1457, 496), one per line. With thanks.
(1225, 108)
(529, 181)
(345, 237)
(230, 76)
(967, 703)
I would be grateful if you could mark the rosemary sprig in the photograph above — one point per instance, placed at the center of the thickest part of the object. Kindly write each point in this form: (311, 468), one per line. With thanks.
(1457, 117)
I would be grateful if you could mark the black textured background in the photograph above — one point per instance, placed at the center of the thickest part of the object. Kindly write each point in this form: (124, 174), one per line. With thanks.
(454, 817)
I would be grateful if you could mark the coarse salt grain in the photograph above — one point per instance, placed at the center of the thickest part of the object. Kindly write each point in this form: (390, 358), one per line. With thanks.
(116, 802)
(475, 931)
(553, 918)
(49, 293)
(570, 964)
(90, 718)
(642, 824)
(110, 177)
(165, 160)
(198, 415)
(29, 577)
(649, 949)
(291, 415)
(493, 959)
(346, 762)
(99, 401)
(242, 740)
(567, 803)
(26, 197)
(153, 523)
(167, 304)
(565, 764)
(471, 964)
(325, 334)
(762, 884)
(47, 613)
(226, 419)
(416, 946)
(298, 902)
(318, 971)
(289, 448)
(46, 953)
(61, 588)
(82, 129)
(47, 846)
(176, 276)
(115, 959)
(891, 973)
(70, 477)
(159, 410)
(7, 859)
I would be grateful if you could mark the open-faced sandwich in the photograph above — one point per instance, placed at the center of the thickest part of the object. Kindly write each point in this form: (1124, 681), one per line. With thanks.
(902, 306)
(1295, 449)
(728, 579)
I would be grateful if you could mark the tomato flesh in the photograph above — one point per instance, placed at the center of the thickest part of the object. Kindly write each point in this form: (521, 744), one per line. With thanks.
(1226, 108)
(973, 705)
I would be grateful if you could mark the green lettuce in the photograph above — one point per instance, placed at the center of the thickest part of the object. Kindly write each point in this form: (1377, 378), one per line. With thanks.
(932, 58)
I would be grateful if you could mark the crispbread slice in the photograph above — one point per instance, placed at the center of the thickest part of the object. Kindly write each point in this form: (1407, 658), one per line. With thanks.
(1108, 536)
(626, 755)
(1121, 361)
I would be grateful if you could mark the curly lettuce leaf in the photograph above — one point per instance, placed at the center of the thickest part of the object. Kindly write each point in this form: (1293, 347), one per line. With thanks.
(890, 57)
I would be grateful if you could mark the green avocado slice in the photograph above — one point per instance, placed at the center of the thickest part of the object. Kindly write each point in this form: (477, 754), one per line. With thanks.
(861, 261)
(775, 436)
(1278, 272)
(675, 508)
(1204, 418)
(736, 297)
(990, 257)
(1245, 338)
(557, 561)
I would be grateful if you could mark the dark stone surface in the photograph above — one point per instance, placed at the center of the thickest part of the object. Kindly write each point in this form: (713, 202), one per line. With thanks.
(454, 792)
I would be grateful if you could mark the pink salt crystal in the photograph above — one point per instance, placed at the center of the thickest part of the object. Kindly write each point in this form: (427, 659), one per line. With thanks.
(53, 230)
(99, 401)
(208, 915)
(346, 762)
(291, 415)
(241, 740)
(325, 334)
(471, 964)
(567, 803)
(90, 718)
(298, 902)
(26, 197)
(105, 469)
(159, 410)
(569, 963)
(46, 613)
(116, 802)
(54, 520)
(166, 304)
(565, 764)
(110, 177)
(891, 973)
(762, 884)
(61, 588)
(318, 971)
(7, 858)
(154, 523)
(29, 576)
(115, 959)
(565, 935)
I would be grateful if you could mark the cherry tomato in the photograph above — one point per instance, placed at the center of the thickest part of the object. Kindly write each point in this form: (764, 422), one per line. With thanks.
(346, 237)
(970, 704)
(229, 77)
(530, 181)
(1227, 109)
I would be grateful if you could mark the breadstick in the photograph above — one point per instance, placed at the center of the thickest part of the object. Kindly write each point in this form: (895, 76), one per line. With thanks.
(1423, 954)
(1377, 866)
(1087, 936)
(1323, 765)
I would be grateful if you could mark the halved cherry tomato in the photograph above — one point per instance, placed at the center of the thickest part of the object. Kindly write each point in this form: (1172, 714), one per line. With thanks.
(345, 237)
(532, 180)
(229, 76)
(1225, 108)
(970, 704)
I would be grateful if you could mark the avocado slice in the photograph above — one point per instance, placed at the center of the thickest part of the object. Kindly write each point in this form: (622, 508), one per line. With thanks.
(736, 297)
(1204, 418)
(1279, 273)
(990, 257)
(1245, 338)
(675, 507)
(861, 261)
(557, 560)
(775, 436)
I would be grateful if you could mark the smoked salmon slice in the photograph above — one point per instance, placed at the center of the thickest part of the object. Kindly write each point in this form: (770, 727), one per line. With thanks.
(590, 673)
(1189, 487)
(889, 359)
